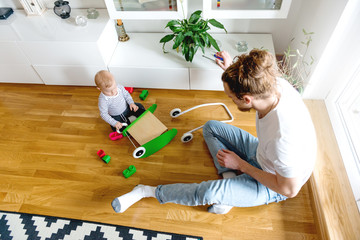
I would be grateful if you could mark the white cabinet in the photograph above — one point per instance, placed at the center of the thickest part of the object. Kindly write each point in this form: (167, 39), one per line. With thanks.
(14, 65)
(18, 73)
(162, 78)
(140, 62)
(146, 9)
(246, 9)
(80, 75)
(62, 52)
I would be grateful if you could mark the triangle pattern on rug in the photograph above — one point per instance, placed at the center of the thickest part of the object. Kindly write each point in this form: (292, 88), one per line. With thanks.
(15, 226)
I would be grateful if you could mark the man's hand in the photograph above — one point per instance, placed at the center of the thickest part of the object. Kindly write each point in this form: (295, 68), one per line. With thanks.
(288, 187)
(227, 60)
(118, 125)
(231, 160)
(133, 107)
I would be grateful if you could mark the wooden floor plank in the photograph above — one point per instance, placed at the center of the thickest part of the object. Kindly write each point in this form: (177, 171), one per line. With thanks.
(49, 139)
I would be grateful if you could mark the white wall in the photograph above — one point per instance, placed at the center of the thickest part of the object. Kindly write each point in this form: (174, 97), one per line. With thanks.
(320, 17)
(281, 29)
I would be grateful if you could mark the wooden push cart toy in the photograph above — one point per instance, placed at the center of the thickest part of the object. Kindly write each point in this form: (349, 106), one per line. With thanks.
(188, 136)
(149, 133)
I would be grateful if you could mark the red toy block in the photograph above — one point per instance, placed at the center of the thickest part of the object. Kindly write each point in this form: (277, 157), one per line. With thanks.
(115, 136)
(101, 153)
(129, 89)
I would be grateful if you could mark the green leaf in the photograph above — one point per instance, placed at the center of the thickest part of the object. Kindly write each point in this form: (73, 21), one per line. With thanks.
(202, 25)
(195, 17)
(217, 24)
(294, 66)
(178, 40)
(205, 37)
(167, 38)
(188, 33)
(204, 29)
(186, 51)
(199, 42)
(191, 53)
(172, 23)
(312, 60)
(213, 42)
(194, 28)
(185, 48)
(163, 48)
(176, 29)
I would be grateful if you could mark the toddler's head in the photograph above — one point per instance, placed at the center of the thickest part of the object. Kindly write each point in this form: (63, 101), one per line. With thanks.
(105, 82)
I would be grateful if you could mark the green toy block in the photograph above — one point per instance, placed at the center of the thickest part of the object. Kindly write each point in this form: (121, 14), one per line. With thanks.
(144, 94)
(129, 171)
(106, 158)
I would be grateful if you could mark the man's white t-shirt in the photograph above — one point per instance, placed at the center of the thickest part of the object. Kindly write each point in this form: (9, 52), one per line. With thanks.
(287, 139)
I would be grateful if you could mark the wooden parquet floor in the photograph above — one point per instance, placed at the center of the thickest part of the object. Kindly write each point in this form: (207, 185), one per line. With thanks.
(49, 139)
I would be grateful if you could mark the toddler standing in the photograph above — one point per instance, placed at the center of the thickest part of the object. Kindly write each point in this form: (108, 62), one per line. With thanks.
(115, 103)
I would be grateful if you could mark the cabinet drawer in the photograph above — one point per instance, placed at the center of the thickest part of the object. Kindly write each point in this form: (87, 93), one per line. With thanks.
(62, 53)
(68, 75)
(18, 74)
(12, 54)
(206, 79)
(171, 78)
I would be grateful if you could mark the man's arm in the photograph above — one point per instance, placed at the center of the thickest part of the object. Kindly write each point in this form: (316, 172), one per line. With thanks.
(288, 187)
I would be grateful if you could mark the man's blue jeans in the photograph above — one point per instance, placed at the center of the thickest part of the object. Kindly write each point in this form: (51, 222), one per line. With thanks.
(240, 191)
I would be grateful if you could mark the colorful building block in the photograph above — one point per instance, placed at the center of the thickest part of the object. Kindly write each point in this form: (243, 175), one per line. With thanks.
(144, 94)
(101, 153)
(129, 89)
(115, 136)
(129, 171)
(106, 158)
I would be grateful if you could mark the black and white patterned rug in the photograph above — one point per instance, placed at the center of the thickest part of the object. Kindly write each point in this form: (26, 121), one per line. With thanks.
(22, 226)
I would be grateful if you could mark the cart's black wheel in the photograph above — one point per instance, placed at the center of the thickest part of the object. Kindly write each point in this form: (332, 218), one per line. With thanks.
(175, 112)
(139, 152)
(187, 137)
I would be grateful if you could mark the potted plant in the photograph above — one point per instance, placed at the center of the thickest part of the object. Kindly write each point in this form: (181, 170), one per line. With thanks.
(191, 34)
(294, 66)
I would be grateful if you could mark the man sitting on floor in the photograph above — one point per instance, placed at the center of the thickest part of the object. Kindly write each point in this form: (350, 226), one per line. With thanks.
(274, 166)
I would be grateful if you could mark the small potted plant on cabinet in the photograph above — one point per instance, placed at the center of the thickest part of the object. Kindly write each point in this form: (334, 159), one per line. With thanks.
(191, 34)
(295, 67)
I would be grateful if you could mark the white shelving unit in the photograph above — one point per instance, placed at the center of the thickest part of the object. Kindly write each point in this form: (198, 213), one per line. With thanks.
(140, 62)
(246, 9)
(61, 52)
(48, 49)
(14, 65)
(146, 9)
